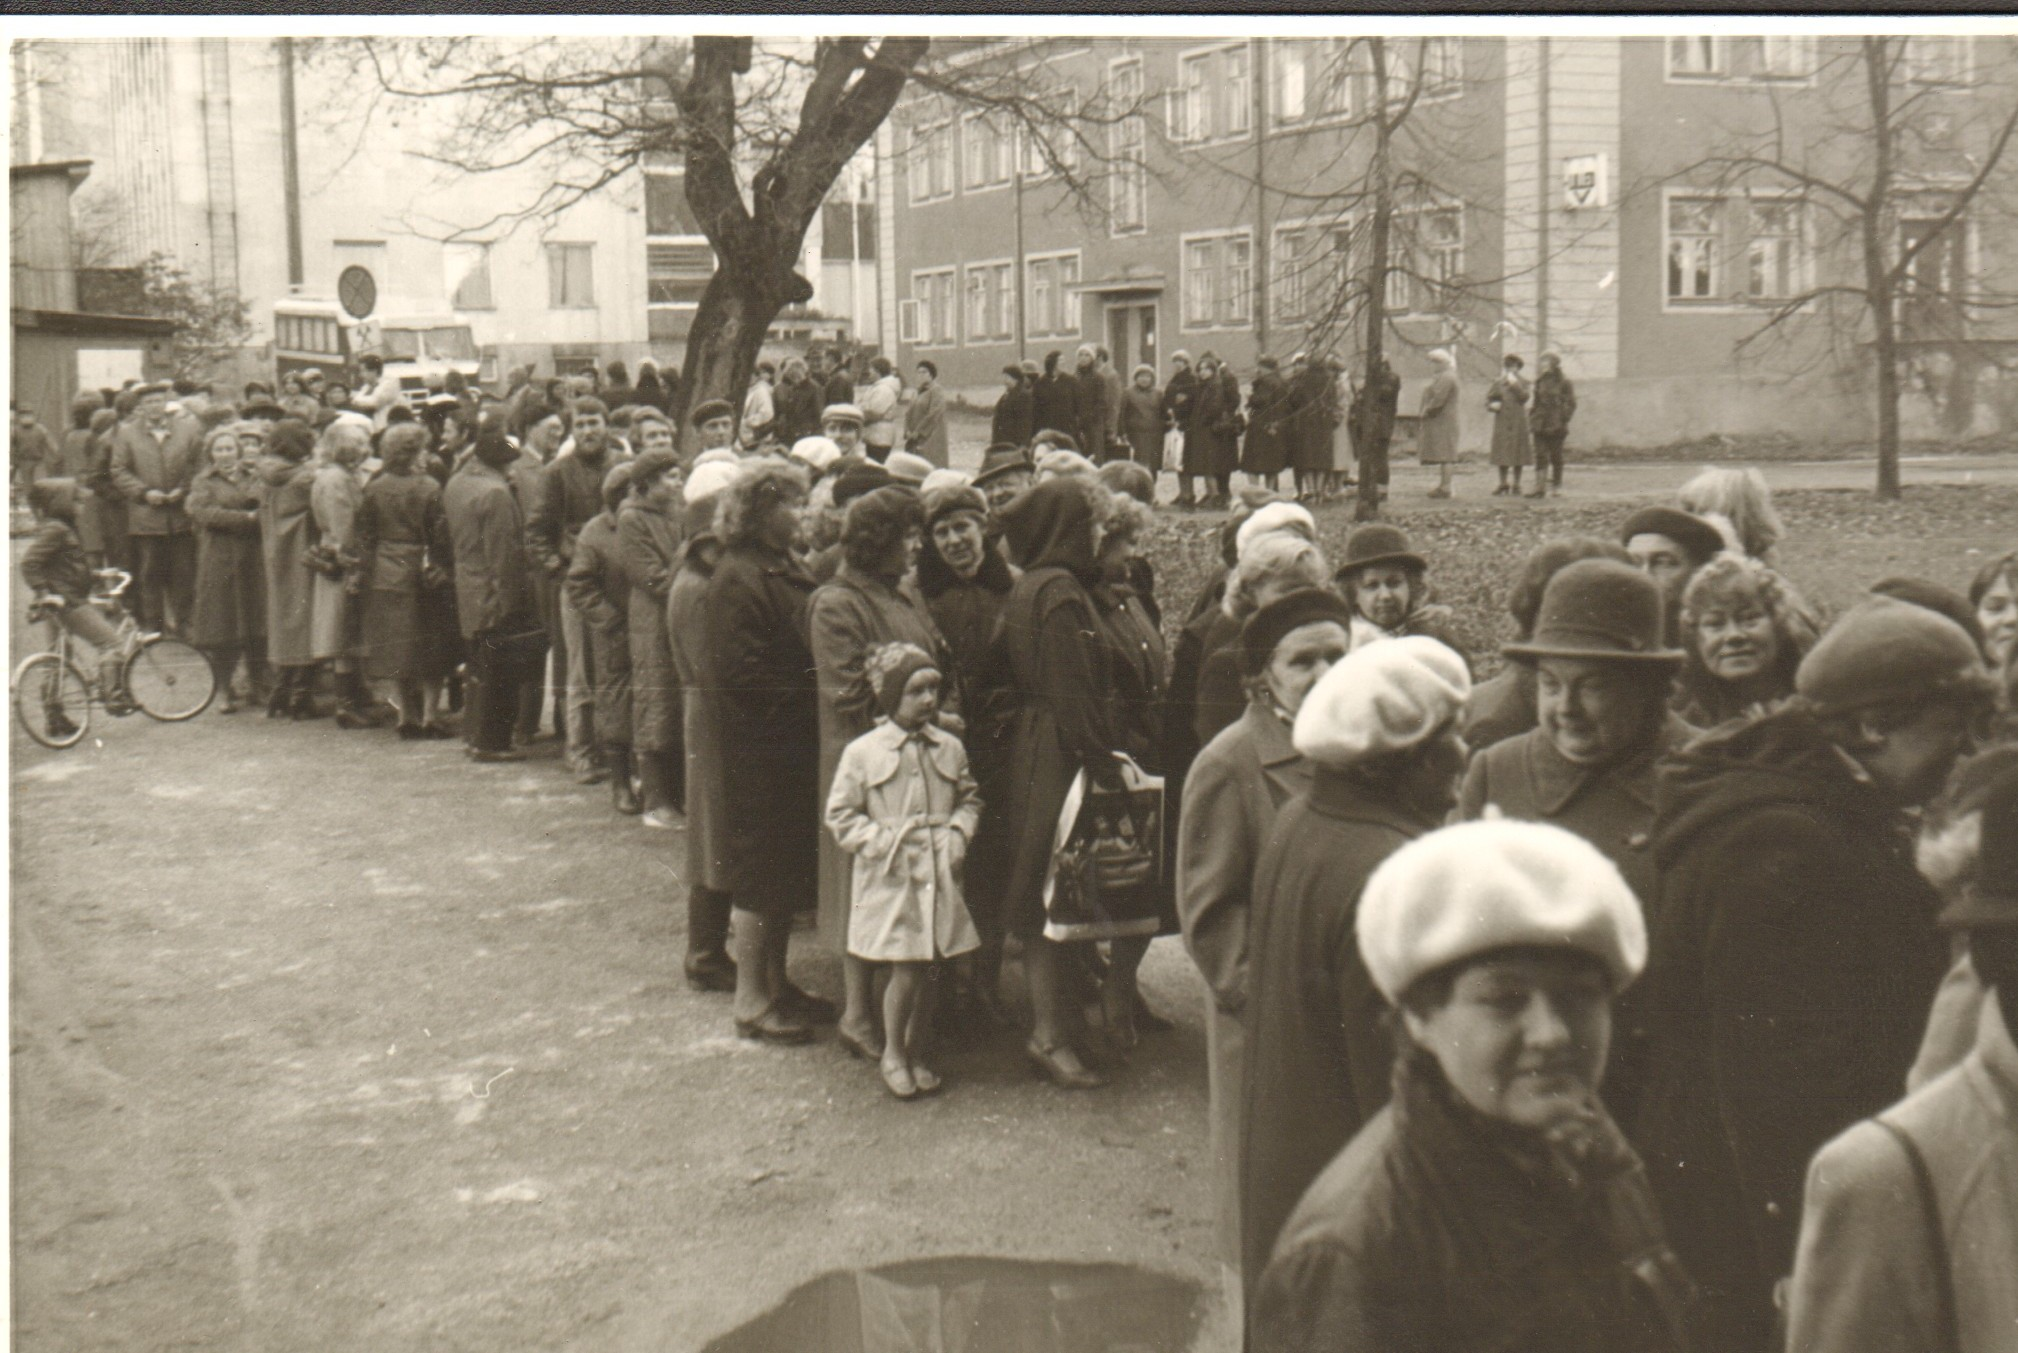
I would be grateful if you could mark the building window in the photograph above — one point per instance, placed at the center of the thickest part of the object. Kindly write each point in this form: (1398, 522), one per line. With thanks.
(1693, 227)
(1932, 59)
(468, 275)
(1054, 306)
(926, 319)
(1218, 280)
(1294, 290)
(666, 209)
(1425, 259)
(1128, 188)
(1786, 57)
(1054, 133)
(987, 154)
(1442, 68)
(677, 274)
(1214, 95)
(571, 280)
(931, 161)
(990, 291)
(1775, 255)
(1695, 58)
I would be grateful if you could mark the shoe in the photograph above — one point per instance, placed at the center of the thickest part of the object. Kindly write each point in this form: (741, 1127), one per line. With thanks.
(230, 705)
(1046, 1063)
(856, 1048)
(434, 732)
(410, 732)
(773, 1027)
(623, 798)
(926, 1079)
(494, 757)
(897, 1080)
(711, 972)
(119, 706)
(591, 774)
(60, 726)
(665, 819)
(804, 1005)
(1536, 493)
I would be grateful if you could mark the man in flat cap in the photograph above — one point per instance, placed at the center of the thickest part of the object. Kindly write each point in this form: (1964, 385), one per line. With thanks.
(842, 424)
(715, 422)
(155, 458)
(1669, 545)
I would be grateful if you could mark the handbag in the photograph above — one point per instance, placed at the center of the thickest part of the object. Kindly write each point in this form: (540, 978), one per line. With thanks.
(1105, 877)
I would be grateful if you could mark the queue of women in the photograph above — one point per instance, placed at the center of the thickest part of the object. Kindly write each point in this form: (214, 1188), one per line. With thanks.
(1570, 1009)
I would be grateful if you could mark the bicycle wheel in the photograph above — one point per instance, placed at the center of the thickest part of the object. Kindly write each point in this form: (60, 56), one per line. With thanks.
(52, 701)
(170, 680)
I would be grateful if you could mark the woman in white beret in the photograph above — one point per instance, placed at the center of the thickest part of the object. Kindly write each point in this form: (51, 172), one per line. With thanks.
(1493, 1203)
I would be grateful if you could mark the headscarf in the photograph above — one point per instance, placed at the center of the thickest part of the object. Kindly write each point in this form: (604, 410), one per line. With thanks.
(1051, 526)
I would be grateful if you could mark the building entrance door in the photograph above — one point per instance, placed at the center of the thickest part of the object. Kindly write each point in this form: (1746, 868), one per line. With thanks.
(1131, 336)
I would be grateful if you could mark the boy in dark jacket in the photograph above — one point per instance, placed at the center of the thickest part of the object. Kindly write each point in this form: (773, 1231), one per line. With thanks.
(56, 571)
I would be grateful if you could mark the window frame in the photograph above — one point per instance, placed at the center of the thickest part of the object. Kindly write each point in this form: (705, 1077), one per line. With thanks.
(1912, 66)
(1130, 150)
(924, 300)
(1215, 77)
(1066, 305)
(1801, 266)
(1401, 63)
(988, 272)
(483, 252)
(676, 242)
(1719, 67)
(919, 160)
(1006, 146)
(1318, 269)
(1221, 278)
(557, 283)
(1718, 297)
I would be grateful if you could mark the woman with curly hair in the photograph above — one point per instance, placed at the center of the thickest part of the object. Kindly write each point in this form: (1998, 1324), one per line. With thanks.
(763, 673)
(872, 601)
(1745, 630)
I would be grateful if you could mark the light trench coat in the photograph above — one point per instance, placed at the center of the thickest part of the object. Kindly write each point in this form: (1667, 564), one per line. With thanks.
(898, 804)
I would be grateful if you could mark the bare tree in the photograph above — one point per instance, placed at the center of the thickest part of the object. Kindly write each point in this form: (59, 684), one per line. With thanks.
(763, 131)
(1889, 155)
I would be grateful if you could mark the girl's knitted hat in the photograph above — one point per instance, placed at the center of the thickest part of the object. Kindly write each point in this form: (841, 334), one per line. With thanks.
(890, 667)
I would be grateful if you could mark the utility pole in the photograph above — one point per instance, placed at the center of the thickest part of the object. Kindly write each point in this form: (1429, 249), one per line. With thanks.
(1022, 285)
(290, 166)
(1257, 66)
(1543, 182)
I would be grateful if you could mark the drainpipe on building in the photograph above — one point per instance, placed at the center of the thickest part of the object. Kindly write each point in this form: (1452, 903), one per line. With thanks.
(290, 166)
(1022, 284)
(1258, 68)
(1544, 181)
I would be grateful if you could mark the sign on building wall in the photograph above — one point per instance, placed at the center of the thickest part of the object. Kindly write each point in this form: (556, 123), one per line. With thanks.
(1587, 181)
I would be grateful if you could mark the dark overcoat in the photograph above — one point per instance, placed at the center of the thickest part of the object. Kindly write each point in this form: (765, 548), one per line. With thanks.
(1512, 441)
(1268, 426)
(1793, 959)
(1014, 421)
(142, 463)
(1212, 438)
(1318, 1058)
(768, 694)
(1142, 426)
(493, 584)
(968, 612)
(598, 587)
(230, 609)
(401, 529)
(1310, 414)
(1055, 403)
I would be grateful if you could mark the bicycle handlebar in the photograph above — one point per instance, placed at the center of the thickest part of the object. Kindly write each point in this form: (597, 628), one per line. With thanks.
(125, 580)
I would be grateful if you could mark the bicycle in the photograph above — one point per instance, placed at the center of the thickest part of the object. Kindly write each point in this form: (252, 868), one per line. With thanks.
(159, 675)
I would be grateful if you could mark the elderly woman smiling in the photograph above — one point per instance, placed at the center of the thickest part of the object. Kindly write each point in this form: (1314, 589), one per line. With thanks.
(1746, 630)
(1494, 1194)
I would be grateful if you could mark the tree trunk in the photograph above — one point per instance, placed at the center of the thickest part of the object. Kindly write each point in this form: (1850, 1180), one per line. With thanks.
(1878, 278)
(728, 330)
(1379, 430)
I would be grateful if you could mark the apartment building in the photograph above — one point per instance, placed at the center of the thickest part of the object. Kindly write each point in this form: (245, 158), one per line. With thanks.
(1553, 193)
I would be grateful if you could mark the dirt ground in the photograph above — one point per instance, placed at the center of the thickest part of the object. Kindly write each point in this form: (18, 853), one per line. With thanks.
(326, 1041)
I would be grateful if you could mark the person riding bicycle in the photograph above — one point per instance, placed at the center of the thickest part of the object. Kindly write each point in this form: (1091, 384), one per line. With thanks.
(59, 575)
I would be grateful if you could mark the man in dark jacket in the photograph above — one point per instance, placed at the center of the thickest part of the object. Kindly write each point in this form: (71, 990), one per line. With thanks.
(154, 460)
(1014, 421)
(1092, 417)
(1056, 398)
(1794, 950)
(493, 592)
(1380, 729)
(841, 379)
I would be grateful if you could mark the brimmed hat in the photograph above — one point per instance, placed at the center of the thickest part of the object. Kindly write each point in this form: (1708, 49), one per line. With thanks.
(1686, 529)
(710, 410)
(842, 413)
(1013, 369)
(1268, 626)
(1602, 609)
(1269, 518)
(1991, 897)
(1001, 459)
(1884, 651)
(907, 466)
(1385, 697)
(1466, 890)
(1378, 543)
(266, 409)
(944, 478)
(618, 481)
(944, 502)
(1029, 367)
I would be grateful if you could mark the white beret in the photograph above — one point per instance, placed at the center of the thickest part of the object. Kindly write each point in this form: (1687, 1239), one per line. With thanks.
(818, 452)
(711, 478)
(1478, 886)
(1059, 462)
(907, 466)
(720, 455)
(945, 479)
(1272, 517)
(1385, 697)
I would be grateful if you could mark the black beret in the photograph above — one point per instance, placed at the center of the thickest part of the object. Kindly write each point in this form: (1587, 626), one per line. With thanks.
(1267, 626)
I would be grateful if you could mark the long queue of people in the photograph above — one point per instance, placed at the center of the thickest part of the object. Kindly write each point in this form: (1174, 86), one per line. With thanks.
(1531, 1002)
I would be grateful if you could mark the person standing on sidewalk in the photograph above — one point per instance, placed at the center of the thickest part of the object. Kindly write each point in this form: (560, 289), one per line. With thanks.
(1555, 403)
(1437, 436)
(493, 592)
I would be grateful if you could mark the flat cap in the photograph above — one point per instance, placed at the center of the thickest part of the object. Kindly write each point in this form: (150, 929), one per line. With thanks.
(1686, 529)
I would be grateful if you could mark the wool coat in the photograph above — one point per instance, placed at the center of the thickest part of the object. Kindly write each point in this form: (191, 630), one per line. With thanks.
(701, 715)
(1555, 403)
(1014, 421)
(1513, 441)
(1793, 958)
(1142, 426)
(600, 589)
(904, 806)
(401, 531)
(879, 400)
(493, 587)
(285, 532)
(925, 425)
(1318, 1058)
(570, 496)
(798, 404)
(1055, 403)
(1231, 797)
(1437, 432)
(230, 610)
(143, 463)
(1310, 413)
(767, 690)
(1867, 1278)
(1092, 416)
(649, 541)
(1269, 426)
(334, 500)
(1438, 1230)
(846, 619)
(1502, 706)
(1212, 438)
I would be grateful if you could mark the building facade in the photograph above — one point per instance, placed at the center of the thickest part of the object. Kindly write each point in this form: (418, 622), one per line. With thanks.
(1569, 194)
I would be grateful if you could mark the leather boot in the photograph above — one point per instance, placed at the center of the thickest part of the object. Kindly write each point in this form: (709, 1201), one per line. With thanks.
(708, 965)
(280, 696)
(622, 797)
(658, 806)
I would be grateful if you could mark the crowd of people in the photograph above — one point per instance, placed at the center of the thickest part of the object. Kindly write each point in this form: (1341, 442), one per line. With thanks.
(1568, 1009)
